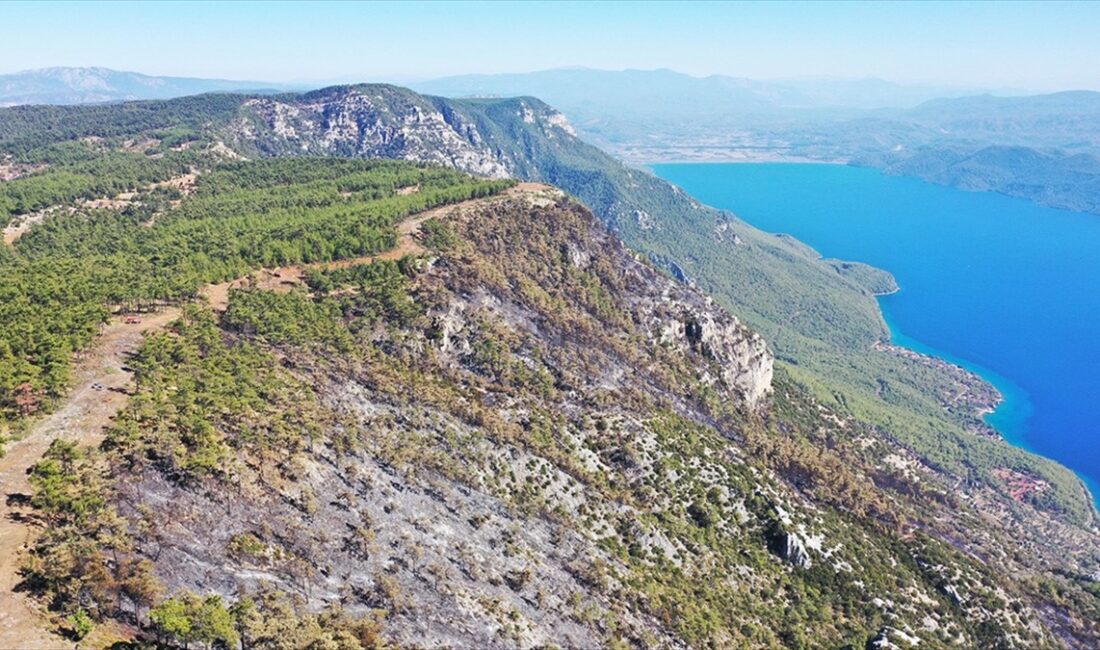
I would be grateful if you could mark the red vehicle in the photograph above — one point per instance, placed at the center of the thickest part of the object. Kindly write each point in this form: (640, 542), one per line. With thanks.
(132, 320)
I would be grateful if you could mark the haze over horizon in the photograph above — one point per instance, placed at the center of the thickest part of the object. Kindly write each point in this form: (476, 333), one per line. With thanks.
(313, 83)
(979, 45)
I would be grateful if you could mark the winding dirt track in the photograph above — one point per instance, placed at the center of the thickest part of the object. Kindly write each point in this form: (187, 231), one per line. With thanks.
(285, 277)
(82, 418)
(101, 388)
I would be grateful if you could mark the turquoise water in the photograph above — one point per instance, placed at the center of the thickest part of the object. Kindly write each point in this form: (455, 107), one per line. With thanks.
(1002, 286)
(1011, 414)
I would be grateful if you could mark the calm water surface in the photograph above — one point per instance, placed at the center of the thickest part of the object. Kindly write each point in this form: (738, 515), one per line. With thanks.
(1000, 285)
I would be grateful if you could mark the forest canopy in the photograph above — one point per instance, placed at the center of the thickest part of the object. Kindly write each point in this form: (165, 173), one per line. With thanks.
(81, 262)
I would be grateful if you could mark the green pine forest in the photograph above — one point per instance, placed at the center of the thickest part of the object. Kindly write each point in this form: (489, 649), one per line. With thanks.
(69, 273)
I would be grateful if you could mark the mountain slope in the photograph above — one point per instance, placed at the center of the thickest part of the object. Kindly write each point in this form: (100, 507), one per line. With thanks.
(531, 377)
(526, 437)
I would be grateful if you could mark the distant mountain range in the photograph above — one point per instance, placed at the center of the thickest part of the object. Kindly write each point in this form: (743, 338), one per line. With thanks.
(650, 90)
(97, 85)
(569, 89)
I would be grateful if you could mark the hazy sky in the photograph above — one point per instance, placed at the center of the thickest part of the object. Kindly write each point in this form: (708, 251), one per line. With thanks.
(1040, 46)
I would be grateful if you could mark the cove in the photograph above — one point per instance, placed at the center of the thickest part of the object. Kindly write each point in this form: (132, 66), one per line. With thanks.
(1004, 287)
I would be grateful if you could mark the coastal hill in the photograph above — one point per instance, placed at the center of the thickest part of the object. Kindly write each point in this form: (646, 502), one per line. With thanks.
(399, 403)
(1044, 148)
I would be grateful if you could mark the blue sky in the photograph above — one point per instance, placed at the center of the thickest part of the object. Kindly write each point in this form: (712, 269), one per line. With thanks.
(1039, 46)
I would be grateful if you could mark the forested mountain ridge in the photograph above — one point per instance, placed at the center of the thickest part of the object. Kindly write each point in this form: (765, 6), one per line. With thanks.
(948, 135)
(821, 319)
(530, 380)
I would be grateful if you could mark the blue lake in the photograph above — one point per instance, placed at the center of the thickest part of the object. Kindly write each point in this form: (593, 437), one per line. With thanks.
(1002, 286)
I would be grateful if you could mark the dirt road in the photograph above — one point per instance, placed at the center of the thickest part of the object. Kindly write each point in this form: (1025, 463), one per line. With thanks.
(82, 418)
(286, 277)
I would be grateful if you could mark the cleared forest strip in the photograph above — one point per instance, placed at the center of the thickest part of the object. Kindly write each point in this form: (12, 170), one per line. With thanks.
(100, 390)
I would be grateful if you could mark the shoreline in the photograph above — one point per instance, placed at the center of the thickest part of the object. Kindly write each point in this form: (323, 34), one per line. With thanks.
(755, 159)
(1008, 417)
(646, 161)
(1013, 396)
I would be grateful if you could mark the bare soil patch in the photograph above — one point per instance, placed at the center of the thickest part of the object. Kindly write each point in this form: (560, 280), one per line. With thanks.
(185, 183)
(139, 146)
(10, 170)
(23, 223)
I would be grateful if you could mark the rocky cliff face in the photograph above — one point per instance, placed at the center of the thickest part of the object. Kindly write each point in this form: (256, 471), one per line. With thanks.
(519, 137)
(380, 121)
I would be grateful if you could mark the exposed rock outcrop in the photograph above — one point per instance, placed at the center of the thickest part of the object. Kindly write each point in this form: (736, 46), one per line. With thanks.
(789, 547)
(379, 121)
(744, 363)
(794, 551)
(889, 638)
